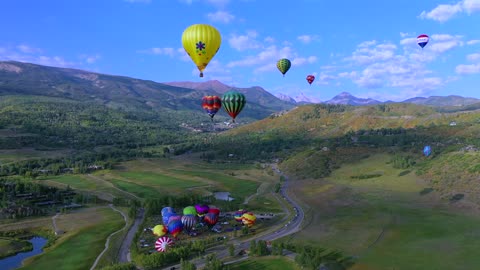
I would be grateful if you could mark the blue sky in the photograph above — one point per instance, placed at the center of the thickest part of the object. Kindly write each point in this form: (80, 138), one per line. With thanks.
(365, 47)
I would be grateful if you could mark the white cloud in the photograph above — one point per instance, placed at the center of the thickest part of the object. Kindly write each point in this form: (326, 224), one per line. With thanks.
(217, 3)
(298, 61)
(244, 42)
(473, 42)
(90, 59)
(160, 51)
(368, 52)
(307, 38)
(28, 49)
(269, 39)
(468, 69)
(29, 54)
(221, 16)
(473, 57)
(444, 12)
(216, 71)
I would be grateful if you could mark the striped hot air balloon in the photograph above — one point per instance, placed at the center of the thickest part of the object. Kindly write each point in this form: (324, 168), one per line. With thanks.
(422, 40)
(189, 222)
(233, 103)
(163, 243)
(249, 219)
(211, 218)
(284, 65)
(238, 214)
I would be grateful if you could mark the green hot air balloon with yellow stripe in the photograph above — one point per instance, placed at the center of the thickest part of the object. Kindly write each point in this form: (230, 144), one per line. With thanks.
(233, 102)
(284, 65)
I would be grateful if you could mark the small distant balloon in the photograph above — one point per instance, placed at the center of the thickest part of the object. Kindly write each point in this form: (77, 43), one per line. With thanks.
(427, 150)
(310, 79)
(284, 65)
(422, 40)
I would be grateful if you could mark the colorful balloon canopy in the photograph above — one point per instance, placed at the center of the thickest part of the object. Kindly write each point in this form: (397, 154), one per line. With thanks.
(238, 214)
(163, 243)
(310, 79)
(201, 42)
(233, 102)
(284, 65)
(211, 218)
(422, 40)
(160, 230)
(249, 219)
(216, 211)
(202, 209)
(189, 210)
(174, 217)
(166, 217)
(211, 104)
(167, 210)
(427, 150)
(175, 227)
(189, 221)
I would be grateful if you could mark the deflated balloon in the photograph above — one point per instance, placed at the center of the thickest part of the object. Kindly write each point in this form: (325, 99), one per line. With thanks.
(233, 103)
(201, 42)
(284, 65)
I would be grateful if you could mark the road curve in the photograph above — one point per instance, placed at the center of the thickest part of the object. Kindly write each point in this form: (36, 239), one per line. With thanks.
(291, 227)
(124, 253)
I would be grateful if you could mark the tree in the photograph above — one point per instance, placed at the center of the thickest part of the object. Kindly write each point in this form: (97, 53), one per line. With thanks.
(187, 265)
(231, 249)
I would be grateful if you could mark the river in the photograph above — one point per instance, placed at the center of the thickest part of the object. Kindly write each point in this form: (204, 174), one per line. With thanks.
(14, 262)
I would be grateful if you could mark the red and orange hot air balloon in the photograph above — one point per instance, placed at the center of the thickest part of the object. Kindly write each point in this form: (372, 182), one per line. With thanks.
(310, 79)
(211, 104)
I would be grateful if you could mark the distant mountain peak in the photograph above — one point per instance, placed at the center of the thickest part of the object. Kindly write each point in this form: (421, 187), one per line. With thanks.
(286, 98)
(348, 99)
(305, 99)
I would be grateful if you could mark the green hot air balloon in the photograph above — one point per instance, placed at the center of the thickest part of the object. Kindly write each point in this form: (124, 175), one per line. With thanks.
(233, 102)
(189, 210)
(284, 65)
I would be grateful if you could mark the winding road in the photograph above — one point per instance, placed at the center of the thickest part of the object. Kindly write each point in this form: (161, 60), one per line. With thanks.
(124, 253)
(294, 225)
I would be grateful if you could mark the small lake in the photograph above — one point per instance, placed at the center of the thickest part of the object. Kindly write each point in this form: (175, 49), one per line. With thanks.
(14, 262)
(224, 196)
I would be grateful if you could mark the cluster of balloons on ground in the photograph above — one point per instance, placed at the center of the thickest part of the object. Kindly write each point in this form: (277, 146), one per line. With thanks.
(174, 223)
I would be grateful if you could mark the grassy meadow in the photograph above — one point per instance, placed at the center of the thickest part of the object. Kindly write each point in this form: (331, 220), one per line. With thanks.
(265, 263)
(385, 222)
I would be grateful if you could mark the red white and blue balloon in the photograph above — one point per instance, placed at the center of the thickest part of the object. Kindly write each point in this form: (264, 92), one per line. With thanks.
(422, 40)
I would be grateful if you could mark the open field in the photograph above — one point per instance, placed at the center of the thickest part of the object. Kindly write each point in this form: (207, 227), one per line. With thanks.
(84, 240)
(13, 155)
(265, 263)
(385, 222)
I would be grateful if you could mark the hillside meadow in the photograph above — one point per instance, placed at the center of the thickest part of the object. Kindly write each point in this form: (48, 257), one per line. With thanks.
(384, 220)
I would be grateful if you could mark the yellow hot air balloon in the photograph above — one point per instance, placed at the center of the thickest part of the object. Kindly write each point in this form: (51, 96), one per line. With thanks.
(160, 230)
(201, 42)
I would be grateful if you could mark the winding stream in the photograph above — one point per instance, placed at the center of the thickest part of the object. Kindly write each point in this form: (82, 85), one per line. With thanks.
(15, 261)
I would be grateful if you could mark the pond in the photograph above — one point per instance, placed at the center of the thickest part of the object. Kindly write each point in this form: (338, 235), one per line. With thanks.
(14, 262)
(224, 196)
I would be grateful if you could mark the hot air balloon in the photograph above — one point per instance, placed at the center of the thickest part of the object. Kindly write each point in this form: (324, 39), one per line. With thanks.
(174, 217)
(166, 218)
(238, 214)
(211, 218)
(233, 102)
(201, 42)
(163, 243)
(216, 211)
(160, 230)
(189, 210)
(310, 79)
(248, 219)
(284, 65)
(427, 150)
(211, 104)
(175, 227)
(167, 210)
(422, 40)
(201, 209)
(189, 221)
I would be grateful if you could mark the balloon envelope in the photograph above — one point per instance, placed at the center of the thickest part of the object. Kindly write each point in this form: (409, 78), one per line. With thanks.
(162, 244)
(189, 210)
(427, 150)
(202, 209)
(249, 219)
(422, 40)
(216, 211)
(233, 103)
(211, 104)
(310, 79)
(175, 227)
(201, 42)
(160, 230)
(189, 221)
(284, 65)
(238, 214)
(211, 218)
(167, 210)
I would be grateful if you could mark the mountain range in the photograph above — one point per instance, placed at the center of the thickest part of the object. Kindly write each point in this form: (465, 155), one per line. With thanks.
(18, 78)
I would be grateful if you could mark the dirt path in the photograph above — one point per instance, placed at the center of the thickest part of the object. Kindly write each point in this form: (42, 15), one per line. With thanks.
(107, 243)
(54, 222)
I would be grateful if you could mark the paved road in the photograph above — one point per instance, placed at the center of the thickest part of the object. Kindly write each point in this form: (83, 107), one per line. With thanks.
(124, 253)
(291, 227)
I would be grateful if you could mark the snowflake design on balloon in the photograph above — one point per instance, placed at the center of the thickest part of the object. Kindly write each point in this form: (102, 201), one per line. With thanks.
(200, 46)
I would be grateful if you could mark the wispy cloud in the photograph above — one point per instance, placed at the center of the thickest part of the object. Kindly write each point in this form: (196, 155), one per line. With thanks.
(307, 38)
(90, 59)
(473, 42)
(444, 12)
(245, 41)
(220, 16)
(160, 51)
(30, 54)
(474, 68)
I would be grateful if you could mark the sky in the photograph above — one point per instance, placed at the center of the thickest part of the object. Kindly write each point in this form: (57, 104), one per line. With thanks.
(365, 47)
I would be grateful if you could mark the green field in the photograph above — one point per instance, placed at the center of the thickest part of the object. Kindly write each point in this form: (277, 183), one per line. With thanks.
(385, 222)
(79, 249)
(265, 263)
